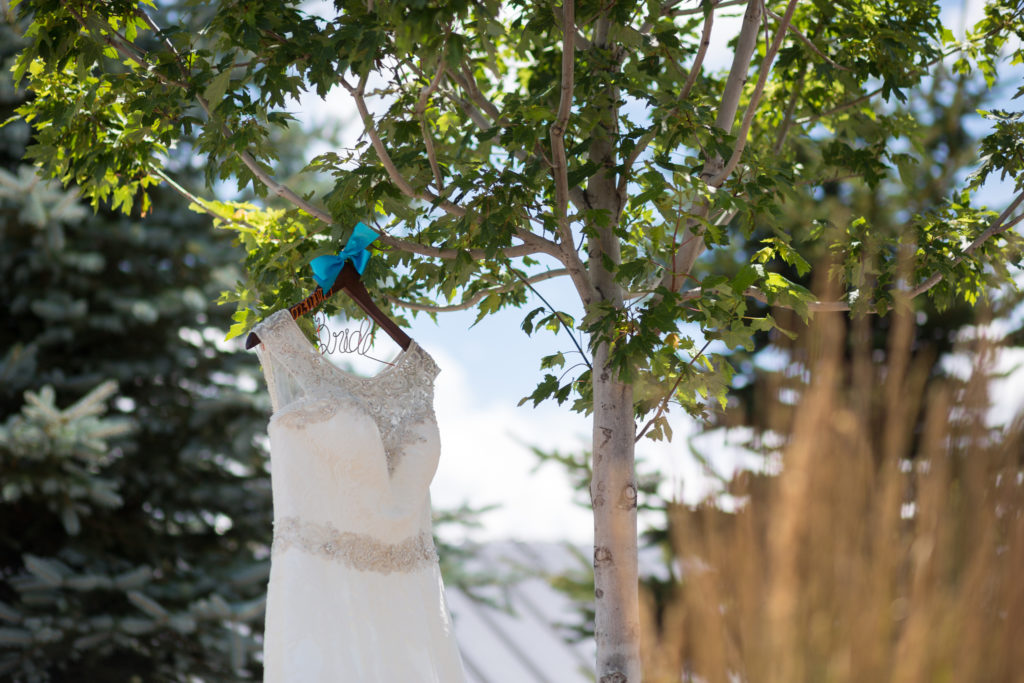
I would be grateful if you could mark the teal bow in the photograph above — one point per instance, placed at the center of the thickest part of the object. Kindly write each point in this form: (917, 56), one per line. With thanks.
(326, 268)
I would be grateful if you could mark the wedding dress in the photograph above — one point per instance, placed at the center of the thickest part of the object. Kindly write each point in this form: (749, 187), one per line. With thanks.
(355, 591)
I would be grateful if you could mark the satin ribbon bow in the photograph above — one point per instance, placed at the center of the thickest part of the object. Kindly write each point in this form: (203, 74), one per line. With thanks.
(326, 268)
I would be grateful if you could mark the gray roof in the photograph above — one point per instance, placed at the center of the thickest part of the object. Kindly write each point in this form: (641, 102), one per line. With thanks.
(521, 637)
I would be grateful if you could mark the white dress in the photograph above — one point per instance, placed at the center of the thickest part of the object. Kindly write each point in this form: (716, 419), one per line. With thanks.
(355, 591)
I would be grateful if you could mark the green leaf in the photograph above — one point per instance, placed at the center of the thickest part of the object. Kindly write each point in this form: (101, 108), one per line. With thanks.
(748, 275)
(217, 87)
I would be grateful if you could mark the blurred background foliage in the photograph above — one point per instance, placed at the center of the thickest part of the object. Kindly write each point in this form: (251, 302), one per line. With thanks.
(134, 495)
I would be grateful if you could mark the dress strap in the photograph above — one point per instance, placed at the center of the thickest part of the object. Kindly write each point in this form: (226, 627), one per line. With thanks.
(293, 369)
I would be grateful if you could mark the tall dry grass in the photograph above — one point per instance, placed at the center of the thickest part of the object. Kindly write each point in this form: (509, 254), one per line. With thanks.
(887, 549)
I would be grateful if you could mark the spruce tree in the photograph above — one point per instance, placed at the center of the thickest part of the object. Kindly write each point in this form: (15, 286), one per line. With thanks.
(133, 545)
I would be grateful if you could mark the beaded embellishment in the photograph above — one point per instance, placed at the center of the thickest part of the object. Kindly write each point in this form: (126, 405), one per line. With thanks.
(358, 551)
(398, 398)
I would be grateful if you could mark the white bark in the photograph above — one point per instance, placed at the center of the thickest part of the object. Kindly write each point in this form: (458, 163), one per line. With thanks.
(613, 488)
(613, 495)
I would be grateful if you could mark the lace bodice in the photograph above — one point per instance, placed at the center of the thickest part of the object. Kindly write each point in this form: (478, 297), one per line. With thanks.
(306, 388)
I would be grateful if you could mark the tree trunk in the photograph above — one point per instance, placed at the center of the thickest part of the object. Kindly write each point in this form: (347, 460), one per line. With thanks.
(613, 495)
(613, 488)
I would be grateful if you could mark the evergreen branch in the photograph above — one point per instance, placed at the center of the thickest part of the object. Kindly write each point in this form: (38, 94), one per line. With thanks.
(478, 296)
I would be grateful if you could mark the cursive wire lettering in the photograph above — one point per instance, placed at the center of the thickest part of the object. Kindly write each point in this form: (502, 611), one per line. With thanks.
(347, 340)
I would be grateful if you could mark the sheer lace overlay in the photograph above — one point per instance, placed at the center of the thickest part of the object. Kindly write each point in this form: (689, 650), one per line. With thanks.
(358, 551)
(398, 398)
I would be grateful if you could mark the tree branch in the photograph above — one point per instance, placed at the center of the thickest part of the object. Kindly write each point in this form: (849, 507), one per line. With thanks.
(449, 253)
(959, 47)
(421, 113)
(125, 48)
(558, 314)
(807, 41)
(482, 104)
(698, 60)
(699, 8)
(559, 164)
(403, 185)
(787, 117)
(691, 79)
(247, 159)
(755, 97)
(478, 296)
(201, 203)
(745, 45)
(999, 225)
(691, 246)
(663, 404)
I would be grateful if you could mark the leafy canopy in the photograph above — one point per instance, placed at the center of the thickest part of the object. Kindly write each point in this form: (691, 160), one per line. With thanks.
(500, 149)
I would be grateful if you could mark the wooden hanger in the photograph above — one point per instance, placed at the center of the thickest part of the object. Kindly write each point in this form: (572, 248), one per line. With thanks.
(349, 281)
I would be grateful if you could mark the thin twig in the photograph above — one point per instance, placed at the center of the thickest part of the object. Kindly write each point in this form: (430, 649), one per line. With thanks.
(449, 253)
(787, 117)
(466, 80)
(807, 41)
(200, 202)
(691, 79)
(126, 48)
(556, 313)
(478, 296)
(959, 47)
(672, 392)
(250, 162)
